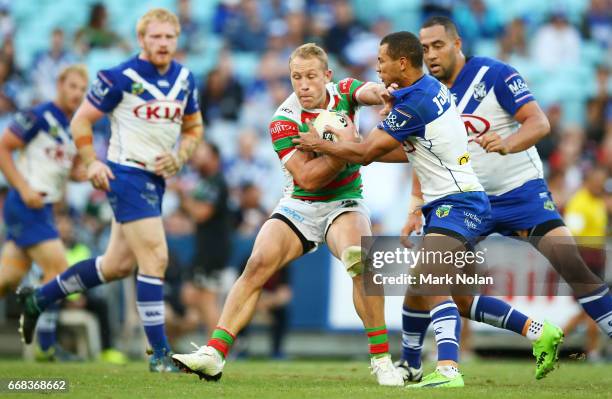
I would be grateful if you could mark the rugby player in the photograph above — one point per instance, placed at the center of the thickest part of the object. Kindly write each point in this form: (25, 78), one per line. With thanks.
(151, 101)
(504, 122)
(322, 203)
(47, 158)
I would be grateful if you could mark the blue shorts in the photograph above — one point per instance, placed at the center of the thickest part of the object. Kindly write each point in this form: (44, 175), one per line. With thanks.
(135, 193)
(463, 215)
(522, 208)
(26, 226)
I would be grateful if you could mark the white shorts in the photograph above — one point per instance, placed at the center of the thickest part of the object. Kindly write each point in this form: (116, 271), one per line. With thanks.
(311, 220)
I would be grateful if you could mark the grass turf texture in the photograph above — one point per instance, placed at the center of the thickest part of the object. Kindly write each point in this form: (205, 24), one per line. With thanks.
(311, 379)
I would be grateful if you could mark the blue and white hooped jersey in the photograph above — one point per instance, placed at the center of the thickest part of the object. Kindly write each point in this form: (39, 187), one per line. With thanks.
(46, 160)
(488, 93)
(426, 122)
(146, 109)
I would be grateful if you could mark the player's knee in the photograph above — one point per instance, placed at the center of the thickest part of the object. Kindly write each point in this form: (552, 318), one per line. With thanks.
(352, 259)
(257, 270)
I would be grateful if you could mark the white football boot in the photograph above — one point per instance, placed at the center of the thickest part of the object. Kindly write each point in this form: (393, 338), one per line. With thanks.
(386, 373)
(409, 373)
(205, 362)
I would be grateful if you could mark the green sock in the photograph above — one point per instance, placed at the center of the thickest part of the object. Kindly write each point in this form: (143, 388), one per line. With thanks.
(378, 341)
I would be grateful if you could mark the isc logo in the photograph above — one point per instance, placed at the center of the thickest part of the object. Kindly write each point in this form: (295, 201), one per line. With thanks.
(160, 111)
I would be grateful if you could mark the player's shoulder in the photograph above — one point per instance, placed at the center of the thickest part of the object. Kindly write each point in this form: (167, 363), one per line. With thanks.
(414, 96)
(289, 110)
(35, 114)
(499, 67)
(115, 75)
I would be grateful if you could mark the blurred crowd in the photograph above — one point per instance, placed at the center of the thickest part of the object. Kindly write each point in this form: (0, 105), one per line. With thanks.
(238, 51)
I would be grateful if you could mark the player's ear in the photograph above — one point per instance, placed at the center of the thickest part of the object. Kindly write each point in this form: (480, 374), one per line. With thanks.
(328, 75)
(140, 40)
(458, 43)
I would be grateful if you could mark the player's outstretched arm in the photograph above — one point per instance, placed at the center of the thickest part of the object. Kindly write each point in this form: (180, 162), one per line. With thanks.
(534, 126)
(192, 131)
(375, 94)
(377, 144)
(81, 127)
(9, 143)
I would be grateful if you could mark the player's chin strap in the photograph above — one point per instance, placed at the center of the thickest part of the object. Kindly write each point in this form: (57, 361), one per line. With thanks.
(352, 258)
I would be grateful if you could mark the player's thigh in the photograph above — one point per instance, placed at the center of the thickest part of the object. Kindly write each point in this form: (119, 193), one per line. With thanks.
(346, 230)
(14, 265)
(50, 256)
(147, 240)
(275, 246)
(118, 260)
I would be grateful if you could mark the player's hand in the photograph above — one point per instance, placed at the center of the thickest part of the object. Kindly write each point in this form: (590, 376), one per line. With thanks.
(414, 223)
(167, 165)
(32, 199)
(99, 174)
(388, 99)
(309, 141)
(492, 142)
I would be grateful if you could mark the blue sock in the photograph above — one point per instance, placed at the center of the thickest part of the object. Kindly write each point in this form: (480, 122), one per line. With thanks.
(414, 328)
(46, 326)
(598, 305)
(77, 278)
(446, 324)
(150, 301)
(495, 312)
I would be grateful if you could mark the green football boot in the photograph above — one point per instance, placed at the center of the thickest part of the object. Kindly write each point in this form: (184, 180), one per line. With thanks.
(546, 350)
(439, 380)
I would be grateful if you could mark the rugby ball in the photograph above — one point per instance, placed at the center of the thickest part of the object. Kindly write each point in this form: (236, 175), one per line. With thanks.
(331, 118)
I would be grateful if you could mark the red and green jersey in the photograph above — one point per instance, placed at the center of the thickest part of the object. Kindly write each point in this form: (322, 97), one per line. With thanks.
(290, 119)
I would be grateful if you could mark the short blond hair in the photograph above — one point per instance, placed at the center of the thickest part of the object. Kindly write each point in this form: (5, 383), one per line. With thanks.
(79, 69)
(158, 15)
(310, 50)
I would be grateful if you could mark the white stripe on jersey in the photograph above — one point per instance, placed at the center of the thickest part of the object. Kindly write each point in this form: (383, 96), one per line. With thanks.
(470, 91)
(54, 123)
(154, 91)
(176, 89)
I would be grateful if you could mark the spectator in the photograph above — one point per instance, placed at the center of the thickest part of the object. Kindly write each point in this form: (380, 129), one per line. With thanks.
(190, 39)
(597, 23)
(597, 107)
(96, 33)
(11, 90)
(46, 66)
(246, 166)
(260, 105)
(221, 95)
(587, 218)
(207, 205)
(344, 30)
(246, 31)
(513, 42)
(557, 43)
(476, 21)
(7, 25)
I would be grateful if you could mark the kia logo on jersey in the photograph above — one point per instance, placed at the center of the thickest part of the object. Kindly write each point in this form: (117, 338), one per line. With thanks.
(475, 125)
(160, 111)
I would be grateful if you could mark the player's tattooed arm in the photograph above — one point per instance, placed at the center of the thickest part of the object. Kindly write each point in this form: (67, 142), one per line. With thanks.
(168, 164)
(398, 155)
(81, 127)
(414, 221)
(534, 126)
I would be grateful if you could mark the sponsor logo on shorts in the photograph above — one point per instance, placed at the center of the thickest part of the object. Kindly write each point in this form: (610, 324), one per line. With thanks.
(463, 159)
(151, 198)
(549, 205)
(348, 204)
(443, 210)
(292, 213)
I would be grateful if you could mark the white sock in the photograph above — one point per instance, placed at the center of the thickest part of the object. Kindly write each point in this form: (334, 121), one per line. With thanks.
(534, 331)
(448, 371)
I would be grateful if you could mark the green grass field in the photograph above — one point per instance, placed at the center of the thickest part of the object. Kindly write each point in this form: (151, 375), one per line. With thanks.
(312, 379)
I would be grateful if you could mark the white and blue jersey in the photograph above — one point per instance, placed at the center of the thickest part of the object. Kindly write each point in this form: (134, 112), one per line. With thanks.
(488, 93)
(425, 121)
(45, 163)
(146, 111)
